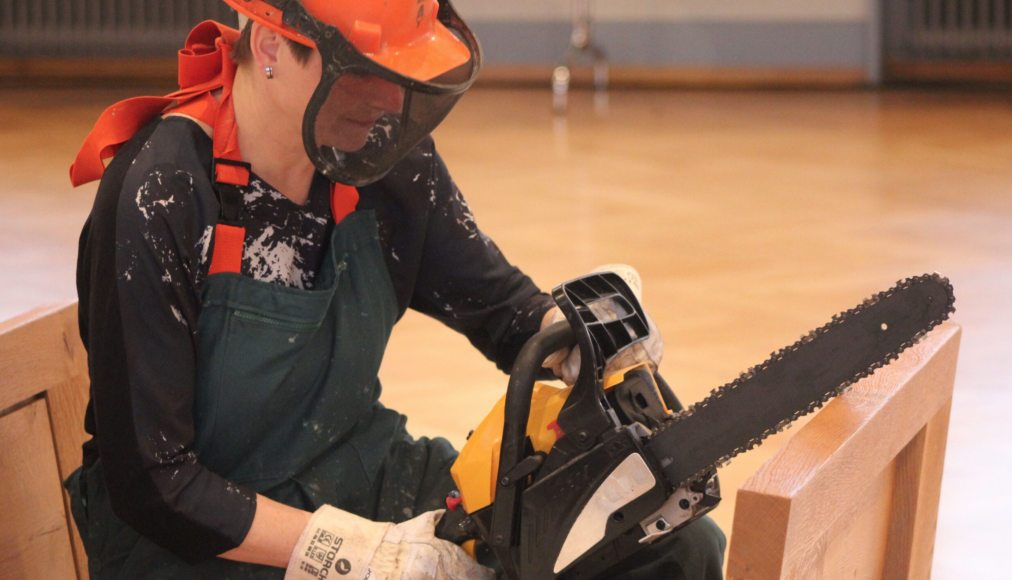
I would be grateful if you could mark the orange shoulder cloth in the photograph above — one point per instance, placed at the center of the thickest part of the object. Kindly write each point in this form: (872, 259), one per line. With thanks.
(205, 65)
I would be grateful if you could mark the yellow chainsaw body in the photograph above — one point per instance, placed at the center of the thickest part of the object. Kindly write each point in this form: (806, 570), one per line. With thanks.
(476, 469)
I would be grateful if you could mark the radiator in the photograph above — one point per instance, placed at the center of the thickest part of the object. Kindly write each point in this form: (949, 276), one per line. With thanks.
(102, 27)
(967, 30)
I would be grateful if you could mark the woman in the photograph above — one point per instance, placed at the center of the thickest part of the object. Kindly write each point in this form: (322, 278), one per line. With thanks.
(253, 241)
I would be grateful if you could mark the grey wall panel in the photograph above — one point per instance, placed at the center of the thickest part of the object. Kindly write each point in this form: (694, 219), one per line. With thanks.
(688, 44)
(157, 27)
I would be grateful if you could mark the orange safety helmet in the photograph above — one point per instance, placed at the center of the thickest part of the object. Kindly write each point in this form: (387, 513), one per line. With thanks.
(422, 46)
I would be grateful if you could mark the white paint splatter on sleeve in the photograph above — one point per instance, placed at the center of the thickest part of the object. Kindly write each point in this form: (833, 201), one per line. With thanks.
(204, 245)
(178, 315)
(142, 192)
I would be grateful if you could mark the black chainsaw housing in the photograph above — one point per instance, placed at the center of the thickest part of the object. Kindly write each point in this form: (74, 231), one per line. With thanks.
(539, 497)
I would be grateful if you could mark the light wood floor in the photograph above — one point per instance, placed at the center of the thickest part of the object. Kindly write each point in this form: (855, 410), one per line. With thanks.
(752, 216)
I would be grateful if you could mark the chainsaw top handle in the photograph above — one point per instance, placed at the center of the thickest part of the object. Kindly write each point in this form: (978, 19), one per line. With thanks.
(606, 318)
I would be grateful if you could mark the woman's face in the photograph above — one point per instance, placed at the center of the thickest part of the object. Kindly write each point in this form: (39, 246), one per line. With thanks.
(355, 103)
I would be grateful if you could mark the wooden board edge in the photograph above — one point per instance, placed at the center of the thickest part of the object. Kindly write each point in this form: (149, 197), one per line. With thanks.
(92, 71)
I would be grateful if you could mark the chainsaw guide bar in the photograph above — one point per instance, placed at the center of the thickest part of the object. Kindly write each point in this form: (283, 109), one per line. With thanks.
(800, 378)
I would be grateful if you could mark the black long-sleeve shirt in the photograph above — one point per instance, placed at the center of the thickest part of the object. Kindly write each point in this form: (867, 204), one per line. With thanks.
(143, 259)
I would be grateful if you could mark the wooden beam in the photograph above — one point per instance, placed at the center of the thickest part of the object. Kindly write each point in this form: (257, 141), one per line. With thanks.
(45, 367)
(97, 71)
(871, 462)
(639, 77)
(90, 72)
(948, 72)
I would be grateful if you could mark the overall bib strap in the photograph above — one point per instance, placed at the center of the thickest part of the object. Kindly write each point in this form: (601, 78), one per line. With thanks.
(230, 234)
(343, 201)
(230, 175)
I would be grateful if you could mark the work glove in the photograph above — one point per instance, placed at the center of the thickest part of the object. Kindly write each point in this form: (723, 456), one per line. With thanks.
(338, 544)
(565, 363)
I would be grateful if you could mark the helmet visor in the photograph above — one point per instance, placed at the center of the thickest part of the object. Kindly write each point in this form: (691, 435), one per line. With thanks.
(367, 113)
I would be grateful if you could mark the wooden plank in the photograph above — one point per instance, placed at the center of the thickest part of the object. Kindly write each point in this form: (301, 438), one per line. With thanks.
(915, 501)
(854, 544)
(949, 71)
(40, 352)
(22, 319)
(866, 431)
(758, 550)
(163, 70)
(641, 77)
(67, 403)
(929, 495)
(42, 355)
(829, 467)
(91, 71)
(904, 509)
(34, 539)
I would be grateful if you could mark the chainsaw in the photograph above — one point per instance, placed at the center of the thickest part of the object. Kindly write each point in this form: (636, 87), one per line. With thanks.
(566, 482)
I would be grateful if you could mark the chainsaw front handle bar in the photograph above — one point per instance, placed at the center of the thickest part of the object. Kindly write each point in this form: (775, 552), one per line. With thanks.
(521, 387)
(586, 414)
(517, 410)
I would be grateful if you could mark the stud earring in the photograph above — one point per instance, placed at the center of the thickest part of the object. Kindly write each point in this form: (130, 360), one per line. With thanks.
(270, 71)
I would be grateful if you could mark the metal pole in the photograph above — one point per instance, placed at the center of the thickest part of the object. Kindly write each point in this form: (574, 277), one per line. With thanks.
(581, 48)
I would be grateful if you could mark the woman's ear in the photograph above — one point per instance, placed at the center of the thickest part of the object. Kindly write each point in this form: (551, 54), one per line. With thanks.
(265, 45)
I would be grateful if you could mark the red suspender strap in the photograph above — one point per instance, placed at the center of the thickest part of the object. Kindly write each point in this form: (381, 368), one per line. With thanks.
(230, 236)
(231, 173)
(228, 246)
(343, 201)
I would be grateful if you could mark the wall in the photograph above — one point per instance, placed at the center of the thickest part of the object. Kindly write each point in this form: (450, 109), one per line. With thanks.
(753, 10)
(736, 35)
(685, 33)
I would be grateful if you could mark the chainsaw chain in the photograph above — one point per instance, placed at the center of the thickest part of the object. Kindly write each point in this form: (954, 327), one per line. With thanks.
(837, 319)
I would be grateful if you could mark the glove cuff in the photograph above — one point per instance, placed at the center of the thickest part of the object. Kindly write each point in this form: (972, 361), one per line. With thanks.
(335, 544)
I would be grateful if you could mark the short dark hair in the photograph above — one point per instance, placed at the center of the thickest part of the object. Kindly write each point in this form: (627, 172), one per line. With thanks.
(242, 52)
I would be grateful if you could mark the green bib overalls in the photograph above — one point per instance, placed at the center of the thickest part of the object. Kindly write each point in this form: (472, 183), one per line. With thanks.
(287, 405)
